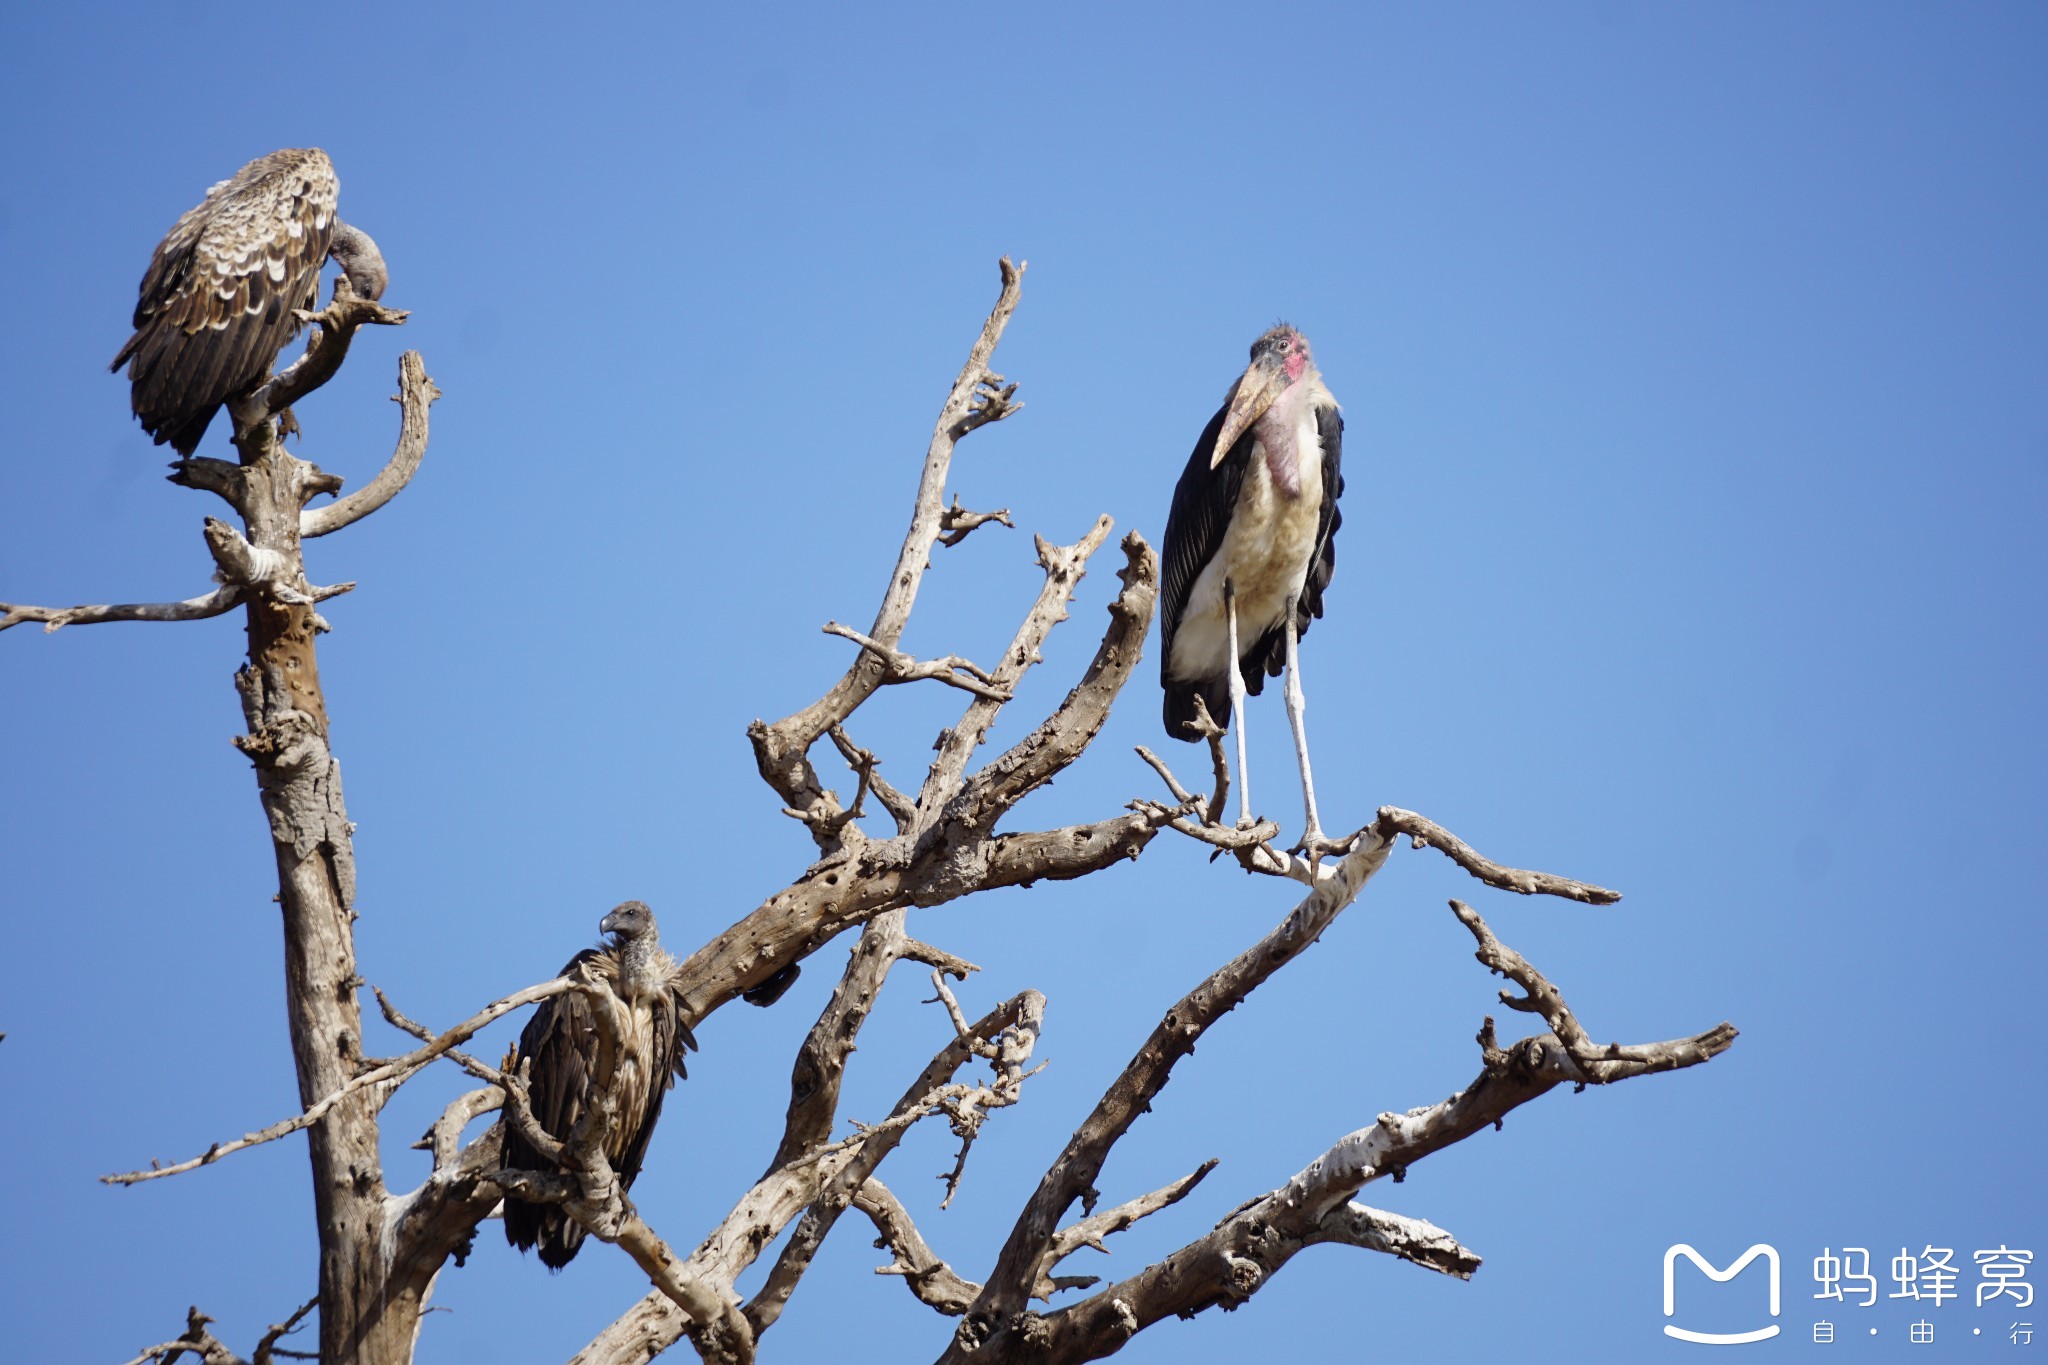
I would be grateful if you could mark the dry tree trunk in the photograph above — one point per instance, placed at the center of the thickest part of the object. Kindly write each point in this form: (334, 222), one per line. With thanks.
(369, 1310)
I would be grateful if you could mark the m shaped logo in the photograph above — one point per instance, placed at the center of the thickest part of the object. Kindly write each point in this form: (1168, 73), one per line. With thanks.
(1769, 1253)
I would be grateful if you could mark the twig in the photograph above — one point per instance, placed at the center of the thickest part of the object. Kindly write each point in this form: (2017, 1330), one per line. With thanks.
(1427, 832)
(780, 749)
(931, 1279)
(481, 1070)
(1211, 732)
(1062, 736)
(216, 603)
(865, 766)
(197, 1341)
(1090, 1231)
(444, 1137)
(898, 667)
(1065, 566)
(1186, 799)
(956, 522)
(919, 951)
(326, 347)
(280, 1330)
(393, 1072)
(1600, 1064)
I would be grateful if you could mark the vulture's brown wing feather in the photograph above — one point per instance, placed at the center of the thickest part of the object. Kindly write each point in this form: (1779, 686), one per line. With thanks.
(671, 1037)
(216, 304)
(557, 1041)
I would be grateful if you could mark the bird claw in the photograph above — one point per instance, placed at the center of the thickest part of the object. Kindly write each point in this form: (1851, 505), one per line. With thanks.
(1314, 845)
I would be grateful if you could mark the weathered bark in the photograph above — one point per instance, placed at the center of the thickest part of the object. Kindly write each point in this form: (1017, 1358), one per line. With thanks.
(367, 1312)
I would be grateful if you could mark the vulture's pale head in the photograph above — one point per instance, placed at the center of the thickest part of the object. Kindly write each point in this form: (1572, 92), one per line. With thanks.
(629, 920)
(1280, 360)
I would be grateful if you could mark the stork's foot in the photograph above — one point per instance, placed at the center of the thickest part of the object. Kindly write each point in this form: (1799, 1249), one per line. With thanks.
(1316, 845)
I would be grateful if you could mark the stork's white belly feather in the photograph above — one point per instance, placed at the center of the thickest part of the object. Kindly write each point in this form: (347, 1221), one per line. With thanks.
(1265, 554)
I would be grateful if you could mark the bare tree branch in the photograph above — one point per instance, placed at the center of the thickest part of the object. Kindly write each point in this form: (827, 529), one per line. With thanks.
(821, 1061)
(216, 603)
(1072, 1176)
(1236, 1258)
(957, 857)
(267, 1346)
(326, 347)
(1090, 1231)
(196, 1341)
(1412, 1239)
(956, 521)
(864, 764)
(1428, 833)
(392, 1073)
(1064, 567)
(899, 667)
(811, 1185)
(416, 393)
(781, 749)
(1592, 1063)
(240, 567)
(444, 1138)
(930, 1278)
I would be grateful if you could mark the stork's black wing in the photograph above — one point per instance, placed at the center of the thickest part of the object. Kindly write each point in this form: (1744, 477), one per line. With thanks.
(218, 300)
(1269, 655)
(1195, 527)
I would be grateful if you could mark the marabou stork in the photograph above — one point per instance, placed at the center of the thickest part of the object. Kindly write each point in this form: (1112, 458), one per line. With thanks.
(225, 286)
(1250, 547)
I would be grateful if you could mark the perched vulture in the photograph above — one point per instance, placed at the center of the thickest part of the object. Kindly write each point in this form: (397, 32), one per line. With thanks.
(1252, 533)
(561, 1043)
(217, 302)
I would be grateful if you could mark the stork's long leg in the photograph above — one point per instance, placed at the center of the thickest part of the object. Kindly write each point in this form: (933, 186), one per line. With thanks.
(1244, 777)
(1297, 716)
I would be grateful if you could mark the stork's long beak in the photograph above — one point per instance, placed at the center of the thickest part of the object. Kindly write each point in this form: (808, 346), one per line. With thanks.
(1256, 389)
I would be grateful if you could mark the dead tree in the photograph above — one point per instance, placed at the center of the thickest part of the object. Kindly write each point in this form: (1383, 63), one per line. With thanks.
(880, 854)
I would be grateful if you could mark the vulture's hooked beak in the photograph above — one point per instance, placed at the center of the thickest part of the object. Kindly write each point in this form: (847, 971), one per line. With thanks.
(609, 924)
(1255, 391)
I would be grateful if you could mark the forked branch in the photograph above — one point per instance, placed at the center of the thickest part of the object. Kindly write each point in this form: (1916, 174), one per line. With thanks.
(416, 393)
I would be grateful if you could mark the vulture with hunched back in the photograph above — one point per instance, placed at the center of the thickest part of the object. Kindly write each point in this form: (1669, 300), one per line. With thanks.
(220, 297)
(561, 1041)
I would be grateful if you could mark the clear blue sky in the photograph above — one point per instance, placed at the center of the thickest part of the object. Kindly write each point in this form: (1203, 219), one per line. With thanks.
(1694, 364)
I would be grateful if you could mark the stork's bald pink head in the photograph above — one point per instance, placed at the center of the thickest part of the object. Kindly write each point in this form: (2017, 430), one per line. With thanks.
(1279, 359)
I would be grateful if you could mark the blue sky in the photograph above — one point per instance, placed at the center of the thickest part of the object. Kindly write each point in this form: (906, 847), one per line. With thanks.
(1693, 359)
